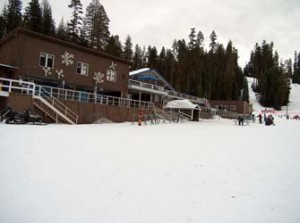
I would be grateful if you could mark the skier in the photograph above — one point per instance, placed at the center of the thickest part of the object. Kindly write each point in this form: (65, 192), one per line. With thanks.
(260, 118)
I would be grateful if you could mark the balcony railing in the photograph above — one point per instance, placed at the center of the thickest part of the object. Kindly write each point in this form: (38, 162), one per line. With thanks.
(82, 96)
(169, 93)
(29, 88)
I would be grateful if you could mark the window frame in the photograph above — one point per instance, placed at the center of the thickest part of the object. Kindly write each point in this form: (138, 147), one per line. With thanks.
(47, 57)
(111, 75)
(233, 107)
(81, 68)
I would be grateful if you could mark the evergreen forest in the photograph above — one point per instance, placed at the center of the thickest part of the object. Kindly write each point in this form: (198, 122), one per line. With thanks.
(188, 66)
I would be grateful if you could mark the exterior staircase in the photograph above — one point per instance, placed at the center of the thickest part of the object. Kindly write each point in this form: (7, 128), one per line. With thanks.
(170, 116)
(53, 108)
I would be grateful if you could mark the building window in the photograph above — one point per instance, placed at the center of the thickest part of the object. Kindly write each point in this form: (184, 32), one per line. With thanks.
(111, 75)
(46, 60)
(82, 68)
(232, 107)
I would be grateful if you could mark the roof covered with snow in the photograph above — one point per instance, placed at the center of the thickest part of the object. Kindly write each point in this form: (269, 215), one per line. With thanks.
(181, 104)
(134, 72)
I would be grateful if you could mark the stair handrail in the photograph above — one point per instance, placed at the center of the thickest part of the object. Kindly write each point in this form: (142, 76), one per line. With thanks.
(57, 104)
(163, 114)
(185, 115)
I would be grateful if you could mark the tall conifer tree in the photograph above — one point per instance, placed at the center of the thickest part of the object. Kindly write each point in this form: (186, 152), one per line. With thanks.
(33, 16)
(128, 52)
(13, 15)
(62, 32)
(97, 25)
(48, 25)
(75, 24)
(114, 46)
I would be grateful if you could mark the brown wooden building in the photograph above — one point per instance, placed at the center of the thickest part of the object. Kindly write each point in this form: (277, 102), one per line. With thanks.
(31, 56)
(240, 107)
(87, 82)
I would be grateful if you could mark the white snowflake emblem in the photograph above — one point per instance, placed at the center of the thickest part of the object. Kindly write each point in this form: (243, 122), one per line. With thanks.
(113, 66)
(47, 71)
(60, 73)
(98, 77)
(67, 58)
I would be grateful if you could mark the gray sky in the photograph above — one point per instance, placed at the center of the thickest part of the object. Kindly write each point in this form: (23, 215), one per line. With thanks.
(159, 22)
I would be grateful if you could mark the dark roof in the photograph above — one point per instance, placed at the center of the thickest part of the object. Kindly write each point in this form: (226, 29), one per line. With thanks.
(21, 30)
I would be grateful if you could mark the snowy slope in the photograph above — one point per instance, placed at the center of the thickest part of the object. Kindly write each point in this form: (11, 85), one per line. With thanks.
(293, 107)
(208, 171)
(257, 108)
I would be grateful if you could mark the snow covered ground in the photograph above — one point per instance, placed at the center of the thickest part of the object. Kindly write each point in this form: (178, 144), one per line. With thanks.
(208, 171)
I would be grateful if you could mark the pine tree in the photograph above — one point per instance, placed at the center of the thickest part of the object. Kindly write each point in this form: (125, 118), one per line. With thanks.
(193, 39)
(62, 32)
(33, 16)
(3, 23)
(200, 40)
(13, 15)
(288, 67)
(114, 46)
(137, 58)
(83, 38)
(75, 23)
(152, 57)
(48, 26)
(97, 25)
(213, 44)
(296, 73)
(128, 53)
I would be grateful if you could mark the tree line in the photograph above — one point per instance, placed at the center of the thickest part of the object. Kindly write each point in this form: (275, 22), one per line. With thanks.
(272, 78)
(189, 67)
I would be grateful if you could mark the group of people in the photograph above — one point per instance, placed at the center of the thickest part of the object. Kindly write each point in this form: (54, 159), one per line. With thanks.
(268, 120)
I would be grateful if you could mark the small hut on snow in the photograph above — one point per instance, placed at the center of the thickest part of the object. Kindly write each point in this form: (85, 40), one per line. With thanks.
(184, 106)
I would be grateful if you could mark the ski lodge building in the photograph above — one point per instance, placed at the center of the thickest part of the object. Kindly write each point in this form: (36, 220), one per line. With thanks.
(65, 82)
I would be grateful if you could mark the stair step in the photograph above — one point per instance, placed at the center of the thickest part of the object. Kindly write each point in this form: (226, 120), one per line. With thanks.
(46, 111)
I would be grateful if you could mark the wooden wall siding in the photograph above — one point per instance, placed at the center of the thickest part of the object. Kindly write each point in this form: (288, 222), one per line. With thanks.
(19, 103)
(242, 107)
(85, 111)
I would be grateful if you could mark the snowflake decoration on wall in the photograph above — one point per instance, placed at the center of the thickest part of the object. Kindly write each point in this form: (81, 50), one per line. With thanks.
(60, 73)
(113, 66)
(67, 58)
(47, 71)
(98, 77)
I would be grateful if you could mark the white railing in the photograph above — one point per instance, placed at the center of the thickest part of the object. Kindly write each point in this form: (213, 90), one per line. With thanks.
(81, 96)
(146, 85)
(17, 86)
(168, 92)
(29, 88)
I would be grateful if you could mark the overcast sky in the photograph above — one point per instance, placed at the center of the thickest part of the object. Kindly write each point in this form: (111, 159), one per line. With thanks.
(159, 22)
